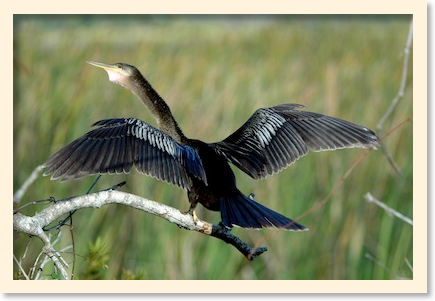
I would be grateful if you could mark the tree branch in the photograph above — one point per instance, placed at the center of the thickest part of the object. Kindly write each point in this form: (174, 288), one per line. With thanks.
(33, 176)
(396, 99)
(371, 199)
(34, 225)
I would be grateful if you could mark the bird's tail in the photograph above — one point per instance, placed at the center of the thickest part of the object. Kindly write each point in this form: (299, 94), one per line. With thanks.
(244, 212)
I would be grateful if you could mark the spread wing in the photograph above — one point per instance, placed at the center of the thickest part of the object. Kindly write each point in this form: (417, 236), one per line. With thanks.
(275, 137)
(118, 144)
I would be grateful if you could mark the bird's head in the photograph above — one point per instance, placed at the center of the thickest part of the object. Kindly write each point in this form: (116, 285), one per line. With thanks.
(119, 73)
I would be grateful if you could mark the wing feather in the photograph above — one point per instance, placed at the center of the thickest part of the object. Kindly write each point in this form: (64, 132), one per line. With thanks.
(275, 137)
(116, 145)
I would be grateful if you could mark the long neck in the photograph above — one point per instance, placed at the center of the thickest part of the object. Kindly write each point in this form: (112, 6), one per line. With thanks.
(158, 108)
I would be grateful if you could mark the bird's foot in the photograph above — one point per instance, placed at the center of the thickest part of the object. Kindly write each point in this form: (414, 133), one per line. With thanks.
(192, 212)
(195, 217)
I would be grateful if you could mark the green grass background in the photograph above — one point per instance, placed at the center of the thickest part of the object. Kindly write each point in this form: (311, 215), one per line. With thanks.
(214, 72)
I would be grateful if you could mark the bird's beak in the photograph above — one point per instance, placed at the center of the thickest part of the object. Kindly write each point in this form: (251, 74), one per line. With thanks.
(107, 67)
(96, 64)
(115, 72)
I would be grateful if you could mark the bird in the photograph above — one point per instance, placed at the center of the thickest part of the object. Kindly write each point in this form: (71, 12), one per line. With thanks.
(269, 141)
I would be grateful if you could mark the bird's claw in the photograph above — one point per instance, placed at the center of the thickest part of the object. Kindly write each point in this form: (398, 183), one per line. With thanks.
(193, 214)
(195, 217)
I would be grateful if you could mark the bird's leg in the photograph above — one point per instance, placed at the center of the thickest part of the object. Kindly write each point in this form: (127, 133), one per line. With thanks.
(192, 212)
(195, 218)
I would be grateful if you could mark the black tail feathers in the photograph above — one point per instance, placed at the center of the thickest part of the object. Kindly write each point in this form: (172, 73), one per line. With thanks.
(244, 212)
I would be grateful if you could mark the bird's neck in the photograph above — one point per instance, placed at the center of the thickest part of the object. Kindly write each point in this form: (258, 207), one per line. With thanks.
(158, 108)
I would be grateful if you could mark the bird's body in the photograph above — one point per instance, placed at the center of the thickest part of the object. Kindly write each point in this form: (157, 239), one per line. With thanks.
(269, 141)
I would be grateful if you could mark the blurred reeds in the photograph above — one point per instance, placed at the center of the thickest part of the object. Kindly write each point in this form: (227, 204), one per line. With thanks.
(214, 73)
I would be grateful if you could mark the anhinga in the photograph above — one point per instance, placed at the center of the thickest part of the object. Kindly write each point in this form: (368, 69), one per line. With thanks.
(272, 139)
